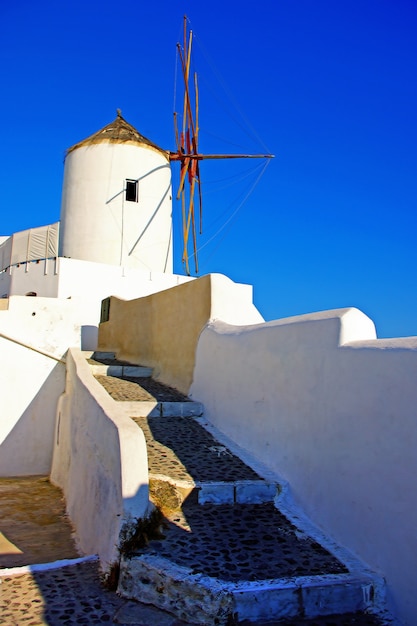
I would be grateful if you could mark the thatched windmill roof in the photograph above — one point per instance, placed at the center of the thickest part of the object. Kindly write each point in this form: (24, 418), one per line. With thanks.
(118, 131)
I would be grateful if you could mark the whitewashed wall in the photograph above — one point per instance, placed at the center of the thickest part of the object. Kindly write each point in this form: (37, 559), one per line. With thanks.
(100, 280)
(41, 278)
(71, 278)
(30, 382)
(5, 282)
(98, 224)
(333, 411)
(100, 462)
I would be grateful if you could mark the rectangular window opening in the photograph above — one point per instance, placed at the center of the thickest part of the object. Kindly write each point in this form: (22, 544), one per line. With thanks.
(132, 190)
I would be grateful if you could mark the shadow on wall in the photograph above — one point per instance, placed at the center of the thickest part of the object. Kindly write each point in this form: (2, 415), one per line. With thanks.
(27, 448)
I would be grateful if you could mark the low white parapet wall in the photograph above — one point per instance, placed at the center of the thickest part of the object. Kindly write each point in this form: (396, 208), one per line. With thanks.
(332, 410)
(100, 463)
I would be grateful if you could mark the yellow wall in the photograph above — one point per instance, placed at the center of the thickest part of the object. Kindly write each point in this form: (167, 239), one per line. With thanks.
(161, 330)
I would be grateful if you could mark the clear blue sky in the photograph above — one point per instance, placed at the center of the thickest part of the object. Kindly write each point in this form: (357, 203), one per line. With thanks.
(329, 87)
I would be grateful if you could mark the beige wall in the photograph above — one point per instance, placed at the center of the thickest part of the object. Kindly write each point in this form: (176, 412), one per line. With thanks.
(162, 330)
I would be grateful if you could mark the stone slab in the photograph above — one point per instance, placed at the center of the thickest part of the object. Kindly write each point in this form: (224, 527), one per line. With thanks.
(256, 492)
(161, 409)
(328, 595)
(216, 493)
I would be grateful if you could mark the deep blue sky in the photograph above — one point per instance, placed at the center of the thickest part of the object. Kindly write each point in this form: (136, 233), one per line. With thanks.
(329, 87)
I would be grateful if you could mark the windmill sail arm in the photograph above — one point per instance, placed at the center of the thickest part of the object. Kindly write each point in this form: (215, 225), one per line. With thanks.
(180, 156)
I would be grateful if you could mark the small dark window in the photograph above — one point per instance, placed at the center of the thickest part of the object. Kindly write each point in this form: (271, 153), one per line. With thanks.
(132, 190)
(105, 310)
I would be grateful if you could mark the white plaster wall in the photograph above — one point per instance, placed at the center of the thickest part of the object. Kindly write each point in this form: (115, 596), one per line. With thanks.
(39, 277)
(30, 385)
(31, 382)
(5, 281)
(232, 302)
(73, 278)
(332, 410)
(97, 224)
(47, 324)
(87, 280)
(100, 462)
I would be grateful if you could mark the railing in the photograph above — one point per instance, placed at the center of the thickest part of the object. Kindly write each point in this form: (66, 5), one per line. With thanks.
(29, 347)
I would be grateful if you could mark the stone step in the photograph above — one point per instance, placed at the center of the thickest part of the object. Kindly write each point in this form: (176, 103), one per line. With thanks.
(182, 453)
(161, 409)
(136, 401)
(218, 563)
(100, 356)
(132, 371)
(106, 364)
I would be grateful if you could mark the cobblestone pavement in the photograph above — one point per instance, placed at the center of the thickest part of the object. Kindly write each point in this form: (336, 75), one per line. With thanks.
(71, 595)
(34, 527)
(74, 595)
(139, 389)
(181, 448)
(242, 542)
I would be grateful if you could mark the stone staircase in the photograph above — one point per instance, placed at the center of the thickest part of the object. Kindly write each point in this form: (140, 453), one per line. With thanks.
(222, 546)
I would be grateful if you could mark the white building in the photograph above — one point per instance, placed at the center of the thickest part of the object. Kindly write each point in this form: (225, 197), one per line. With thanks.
(115, 232)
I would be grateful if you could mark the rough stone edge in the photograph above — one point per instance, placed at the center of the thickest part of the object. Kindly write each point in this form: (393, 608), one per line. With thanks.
(190, 596)
(156, 580)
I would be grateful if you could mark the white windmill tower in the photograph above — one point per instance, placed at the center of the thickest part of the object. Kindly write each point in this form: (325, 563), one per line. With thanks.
(116, 200)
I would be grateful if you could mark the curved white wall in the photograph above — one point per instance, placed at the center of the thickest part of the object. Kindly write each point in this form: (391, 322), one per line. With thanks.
(100, 462)
(98, 224)
(332, 410)
(30, 381)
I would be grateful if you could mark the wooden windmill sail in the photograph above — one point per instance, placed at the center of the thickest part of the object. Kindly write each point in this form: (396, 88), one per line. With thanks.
(189, 156)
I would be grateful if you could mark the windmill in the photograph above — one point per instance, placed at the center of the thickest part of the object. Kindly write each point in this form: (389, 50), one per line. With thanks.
(189, 156)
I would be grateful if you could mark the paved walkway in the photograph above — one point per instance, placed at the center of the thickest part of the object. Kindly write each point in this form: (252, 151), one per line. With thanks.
(33, 525)
(34, 531)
